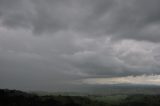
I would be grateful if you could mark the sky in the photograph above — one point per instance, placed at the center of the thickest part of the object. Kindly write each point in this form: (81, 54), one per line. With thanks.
(61, 44)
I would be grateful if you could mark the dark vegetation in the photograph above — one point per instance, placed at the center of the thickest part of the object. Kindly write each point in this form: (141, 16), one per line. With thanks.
(19, 98)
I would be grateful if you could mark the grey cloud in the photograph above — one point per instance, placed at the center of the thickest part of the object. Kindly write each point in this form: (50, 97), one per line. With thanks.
(28, 62)
(51, 16)
(127, 19)
(117, 61)
(30, 71)
(133, 20)
(55, 61)
(120, 19)
(82, 39)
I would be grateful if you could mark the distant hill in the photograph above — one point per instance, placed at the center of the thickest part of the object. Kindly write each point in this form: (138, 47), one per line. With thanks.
(124, 89)
(20, 98)
(117, 89)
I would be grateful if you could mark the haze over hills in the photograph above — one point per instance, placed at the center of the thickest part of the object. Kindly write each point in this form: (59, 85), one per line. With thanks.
(104, 90)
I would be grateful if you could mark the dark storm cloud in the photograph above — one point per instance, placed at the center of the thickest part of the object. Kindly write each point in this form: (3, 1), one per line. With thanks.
(90, 39)
(130, 19)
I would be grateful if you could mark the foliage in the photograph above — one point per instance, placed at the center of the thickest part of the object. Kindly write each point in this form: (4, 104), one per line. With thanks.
(18, 98)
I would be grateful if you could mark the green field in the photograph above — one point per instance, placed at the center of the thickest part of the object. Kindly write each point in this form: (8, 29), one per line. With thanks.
(111, 99)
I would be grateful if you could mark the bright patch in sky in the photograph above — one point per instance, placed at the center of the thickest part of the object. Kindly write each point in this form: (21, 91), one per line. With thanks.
(144, 80)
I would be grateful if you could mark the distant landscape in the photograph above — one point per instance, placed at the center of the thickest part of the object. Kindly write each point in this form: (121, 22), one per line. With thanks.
(21, 98)
(79, 52)
(103, 90)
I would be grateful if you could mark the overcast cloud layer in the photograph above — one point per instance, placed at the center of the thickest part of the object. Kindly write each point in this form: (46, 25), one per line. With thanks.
(53, 44)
